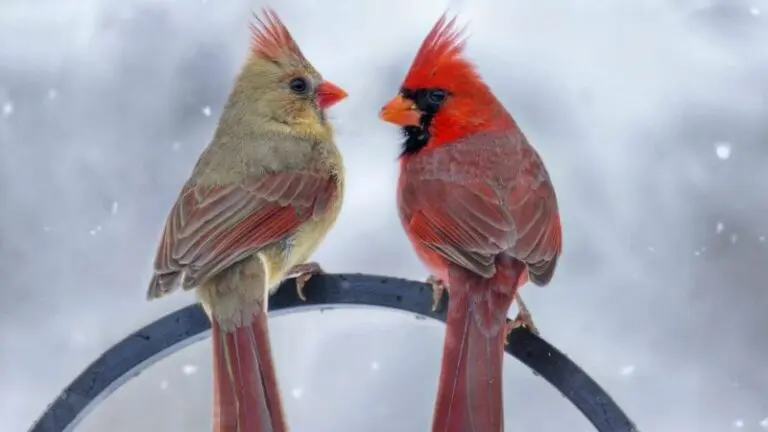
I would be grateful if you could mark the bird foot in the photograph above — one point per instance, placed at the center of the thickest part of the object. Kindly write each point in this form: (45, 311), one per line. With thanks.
(303, 273)
(523, 319)
(438, 288)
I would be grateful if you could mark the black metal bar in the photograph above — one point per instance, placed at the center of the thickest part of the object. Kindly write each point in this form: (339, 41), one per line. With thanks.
(179, 329)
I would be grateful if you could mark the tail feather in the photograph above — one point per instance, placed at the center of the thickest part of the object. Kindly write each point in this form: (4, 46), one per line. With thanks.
(469, 395)
(246, 395)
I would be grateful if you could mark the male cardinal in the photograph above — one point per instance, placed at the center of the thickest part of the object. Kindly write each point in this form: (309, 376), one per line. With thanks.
(480, 210)
(260, 199)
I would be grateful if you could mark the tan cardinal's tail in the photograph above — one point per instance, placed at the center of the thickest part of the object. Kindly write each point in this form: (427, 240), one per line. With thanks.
(469, 396)
(246, 396)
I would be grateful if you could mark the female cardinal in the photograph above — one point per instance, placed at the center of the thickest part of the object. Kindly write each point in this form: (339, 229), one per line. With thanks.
(260, 199)
(478, 206)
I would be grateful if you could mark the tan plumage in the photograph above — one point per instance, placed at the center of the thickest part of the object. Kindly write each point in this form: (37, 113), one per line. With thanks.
(259, 201)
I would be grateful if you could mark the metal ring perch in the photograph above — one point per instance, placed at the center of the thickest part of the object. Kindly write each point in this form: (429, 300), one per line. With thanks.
(184, 327)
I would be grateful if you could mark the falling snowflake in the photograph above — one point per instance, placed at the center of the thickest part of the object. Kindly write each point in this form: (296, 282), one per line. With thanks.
(764, 423)
(7, 109)
(627, 370)
(189, 369)
(734, 238)
(113, 210)
(723, 150)
(739, 423)
(297, 392)
(52, 94)
(761, 238)
(163, 384)
(754, 11)
(651, 249)
(95, 230)
(719, 228)
(47, 229)
(176, 146)
(207, 111)
(375, 366)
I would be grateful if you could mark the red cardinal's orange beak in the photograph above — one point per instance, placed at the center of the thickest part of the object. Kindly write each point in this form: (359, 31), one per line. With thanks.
(328, 94)
(401, 112)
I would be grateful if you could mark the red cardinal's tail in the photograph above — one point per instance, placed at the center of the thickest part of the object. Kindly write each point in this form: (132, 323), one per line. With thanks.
(246, 396)
(469, 396)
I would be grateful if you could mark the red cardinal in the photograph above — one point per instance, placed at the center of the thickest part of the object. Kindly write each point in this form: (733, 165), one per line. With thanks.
(479, 208)
(257, 204)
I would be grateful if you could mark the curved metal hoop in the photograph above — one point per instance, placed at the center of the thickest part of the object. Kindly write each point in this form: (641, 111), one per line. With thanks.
(184, 327)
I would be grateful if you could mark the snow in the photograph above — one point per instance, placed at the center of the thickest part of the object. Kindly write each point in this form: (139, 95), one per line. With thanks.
(739, 423)
(164, 385)
(113, 209)
(189, 369)
(297, 392)
(7, 109)
(52, 94)
(375, 366)
(734, 238)
(723, 150)
(764, 423)
(754, 11)
(719, 228)
(95, 230)
(627, 370)
(207, 111)
(176, 146)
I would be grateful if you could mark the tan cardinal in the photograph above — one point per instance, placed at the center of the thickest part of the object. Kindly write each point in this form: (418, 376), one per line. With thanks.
(480, 209)
(260, 199)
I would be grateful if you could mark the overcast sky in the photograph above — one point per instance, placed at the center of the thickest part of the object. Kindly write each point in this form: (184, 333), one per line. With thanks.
(649, 114)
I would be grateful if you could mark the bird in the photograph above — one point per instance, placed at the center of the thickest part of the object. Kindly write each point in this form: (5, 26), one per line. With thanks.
(259, 201)
(480, 210)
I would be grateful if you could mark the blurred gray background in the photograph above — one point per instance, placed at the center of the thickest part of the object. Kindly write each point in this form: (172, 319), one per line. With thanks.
(651, 116)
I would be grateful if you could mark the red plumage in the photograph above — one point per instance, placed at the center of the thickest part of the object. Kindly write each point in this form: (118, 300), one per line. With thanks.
(270, 38)
(479, 208)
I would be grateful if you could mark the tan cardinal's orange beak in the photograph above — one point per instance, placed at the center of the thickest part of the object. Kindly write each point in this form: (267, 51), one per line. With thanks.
(328, 94)
(401, 111)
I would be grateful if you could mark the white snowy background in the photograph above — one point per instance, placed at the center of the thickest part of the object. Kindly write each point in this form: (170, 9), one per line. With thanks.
(650, 114)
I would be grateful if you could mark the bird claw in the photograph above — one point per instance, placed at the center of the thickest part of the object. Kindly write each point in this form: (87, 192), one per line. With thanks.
(523, 319)
(438, 288)
(303, 273)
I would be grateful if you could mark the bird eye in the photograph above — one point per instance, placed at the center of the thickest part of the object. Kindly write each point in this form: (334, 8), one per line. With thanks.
(299, 85)
(436, 96)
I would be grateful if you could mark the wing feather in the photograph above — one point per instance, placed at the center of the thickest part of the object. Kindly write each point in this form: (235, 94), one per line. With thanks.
(476, 212)
(212, 227)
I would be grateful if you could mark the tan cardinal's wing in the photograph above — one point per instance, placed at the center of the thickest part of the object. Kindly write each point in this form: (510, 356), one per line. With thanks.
(469, 223)
(212, 227)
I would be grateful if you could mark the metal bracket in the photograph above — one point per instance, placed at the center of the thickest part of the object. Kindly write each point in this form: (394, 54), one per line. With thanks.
(184, 327)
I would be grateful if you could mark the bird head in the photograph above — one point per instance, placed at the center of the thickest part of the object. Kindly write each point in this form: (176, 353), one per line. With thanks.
(443, 98)
(279, 83)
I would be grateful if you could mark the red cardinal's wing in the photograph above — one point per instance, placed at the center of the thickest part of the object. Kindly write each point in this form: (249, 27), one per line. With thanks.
(212, 227)
(492, 201)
